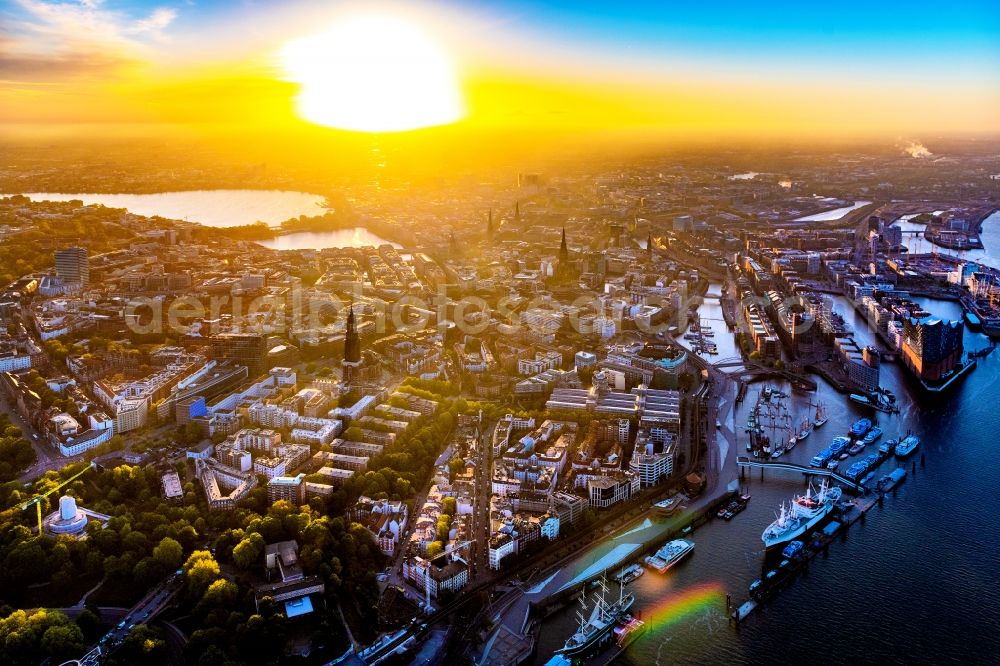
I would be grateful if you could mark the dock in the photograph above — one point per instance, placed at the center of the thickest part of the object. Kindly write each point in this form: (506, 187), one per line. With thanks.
(848, 514)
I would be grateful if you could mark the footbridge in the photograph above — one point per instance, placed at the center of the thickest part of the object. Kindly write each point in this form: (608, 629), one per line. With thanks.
(745, 462)
(754, 368)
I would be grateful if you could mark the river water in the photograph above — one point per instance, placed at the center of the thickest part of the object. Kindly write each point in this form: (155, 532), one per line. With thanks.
(914, 582)
(989, 255)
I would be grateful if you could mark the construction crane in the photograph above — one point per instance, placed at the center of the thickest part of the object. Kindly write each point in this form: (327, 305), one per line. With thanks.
(427, 572)
(37, 501)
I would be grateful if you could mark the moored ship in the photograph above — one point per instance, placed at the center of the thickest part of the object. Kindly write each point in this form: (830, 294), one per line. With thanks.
(907, 446)
(670, 554)
(802, 514)
(629, 574)
(861, 427)
(598, 626)
(821, 417)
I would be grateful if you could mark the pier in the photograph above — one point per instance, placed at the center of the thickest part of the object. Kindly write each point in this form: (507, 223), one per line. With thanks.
(746, 462)
(848, 514)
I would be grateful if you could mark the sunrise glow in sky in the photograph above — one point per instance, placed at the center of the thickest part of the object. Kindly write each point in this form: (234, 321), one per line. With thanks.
(848, 68)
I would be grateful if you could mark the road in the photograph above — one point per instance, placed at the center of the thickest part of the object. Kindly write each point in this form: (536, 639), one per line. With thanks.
(481, 516)
(143, 612)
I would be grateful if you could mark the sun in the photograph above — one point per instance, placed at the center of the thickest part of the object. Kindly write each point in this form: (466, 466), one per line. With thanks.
(373, 73)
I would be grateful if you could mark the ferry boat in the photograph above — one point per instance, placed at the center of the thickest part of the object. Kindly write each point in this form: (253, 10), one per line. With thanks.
(821, 418)
(597, 627)
(629, 574)
(861, 427)
(628, 630)
(804, 512)
(670, 554)
(906, 447)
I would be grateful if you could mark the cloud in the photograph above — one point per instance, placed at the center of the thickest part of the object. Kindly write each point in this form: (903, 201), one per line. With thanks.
(57, 41)
(155, 22)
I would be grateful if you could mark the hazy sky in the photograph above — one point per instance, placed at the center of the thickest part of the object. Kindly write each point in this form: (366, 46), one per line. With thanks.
(712, 67)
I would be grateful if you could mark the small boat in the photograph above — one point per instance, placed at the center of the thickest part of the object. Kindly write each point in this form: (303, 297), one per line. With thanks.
(906, 447)
(873, 435)
(821, 418)
(833, 464)
(861, 427)
(857, 448)
(629, 574)
(804, 429)
(885, 447)
(792, 549)
(718, 424)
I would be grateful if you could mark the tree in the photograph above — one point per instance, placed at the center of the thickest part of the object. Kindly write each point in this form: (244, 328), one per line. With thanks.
(168, 553)
(434, 548)
(450, 506)
(200, 571)
(62, 642)
(248, 551)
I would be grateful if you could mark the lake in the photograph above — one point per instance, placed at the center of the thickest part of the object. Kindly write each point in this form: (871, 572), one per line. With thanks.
(213, 208)
(317, 240)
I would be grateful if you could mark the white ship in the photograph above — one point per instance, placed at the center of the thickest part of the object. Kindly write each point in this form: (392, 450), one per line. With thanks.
(801, 515)
(670, 554)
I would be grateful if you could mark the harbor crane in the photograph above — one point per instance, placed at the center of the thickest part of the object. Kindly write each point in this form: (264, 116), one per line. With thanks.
(38, 499)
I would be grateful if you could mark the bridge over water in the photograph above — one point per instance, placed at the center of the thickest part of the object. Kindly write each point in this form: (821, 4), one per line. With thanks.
(754, 368)
(745, 462)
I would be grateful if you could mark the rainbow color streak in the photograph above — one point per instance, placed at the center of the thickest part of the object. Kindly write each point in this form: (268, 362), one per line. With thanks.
(685, 604)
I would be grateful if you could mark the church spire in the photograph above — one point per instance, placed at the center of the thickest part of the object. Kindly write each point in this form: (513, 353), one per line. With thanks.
(352, 345)
(563, 249)
(489, 224)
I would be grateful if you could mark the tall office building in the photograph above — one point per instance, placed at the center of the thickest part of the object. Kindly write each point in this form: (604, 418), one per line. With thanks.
(249, 349)
(932, 348)
(72, 265)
